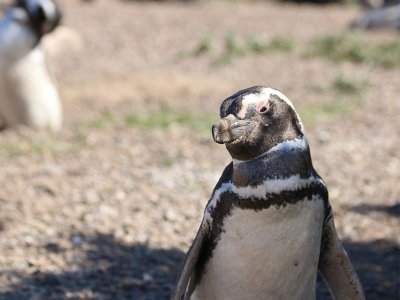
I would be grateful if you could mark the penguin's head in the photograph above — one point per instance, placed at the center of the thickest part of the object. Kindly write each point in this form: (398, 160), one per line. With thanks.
(43, 16)
(254, 120)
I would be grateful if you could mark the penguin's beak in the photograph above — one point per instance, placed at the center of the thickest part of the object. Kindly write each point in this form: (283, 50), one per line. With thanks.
(230, 130)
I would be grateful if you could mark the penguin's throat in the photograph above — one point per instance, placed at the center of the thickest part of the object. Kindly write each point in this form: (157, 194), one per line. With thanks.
(247, 173)
(278, 164)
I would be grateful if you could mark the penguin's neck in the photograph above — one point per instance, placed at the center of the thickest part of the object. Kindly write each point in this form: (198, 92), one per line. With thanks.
(277, 164)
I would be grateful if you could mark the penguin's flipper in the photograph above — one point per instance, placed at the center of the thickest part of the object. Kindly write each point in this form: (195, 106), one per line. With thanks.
(336, 268)
(183, 287)
(187, 280)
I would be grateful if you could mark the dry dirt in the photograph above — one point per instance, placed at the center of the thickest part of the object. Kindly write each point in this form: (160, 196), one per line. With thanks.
(106, 210)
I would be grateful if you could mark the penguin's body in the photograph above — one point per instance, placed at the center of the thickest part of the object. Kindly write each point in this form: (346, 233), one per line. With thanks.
(268, 227)
(250, 245)
(28, 95)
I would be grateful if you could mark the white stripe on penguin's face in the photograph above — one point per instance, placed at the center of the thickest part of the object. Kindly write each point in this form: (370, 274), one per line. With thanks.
(252, 99)
(265, 94)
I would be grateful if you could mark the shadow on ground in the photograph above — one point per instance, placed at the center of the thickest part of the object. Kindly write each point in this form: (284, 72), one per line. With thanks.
(377, 264)
(109, 269)
(390, 210)
(103, 268)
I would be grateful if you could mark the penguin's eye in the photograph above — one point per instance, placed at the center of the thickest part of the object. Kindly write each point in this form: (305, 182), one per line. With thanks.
(263, 108)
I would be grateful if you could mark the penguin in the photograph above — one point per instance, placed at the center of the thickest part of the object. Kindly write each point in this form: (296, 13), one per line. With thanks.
(28, 95)
(386, 16)
(268, 227)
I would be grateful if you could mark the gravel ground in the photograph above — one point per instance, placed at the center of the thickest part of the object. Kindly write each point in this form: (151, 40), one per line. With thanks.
(107, 209)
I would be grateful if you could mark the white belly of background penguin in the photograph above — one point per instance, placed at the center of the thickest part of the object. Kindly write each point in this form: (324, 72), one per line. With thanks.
(268, 227)
(28, 95)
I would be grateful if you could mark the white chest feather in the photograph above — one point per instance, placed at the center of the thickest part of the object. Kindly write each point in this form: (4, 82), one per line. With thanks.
(28, 95)
(268, 254)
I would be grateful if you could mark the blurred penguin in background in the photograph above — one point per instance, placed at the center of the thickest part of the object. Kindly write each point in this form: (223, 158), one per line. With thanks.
(28, 95)
(380, 14)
